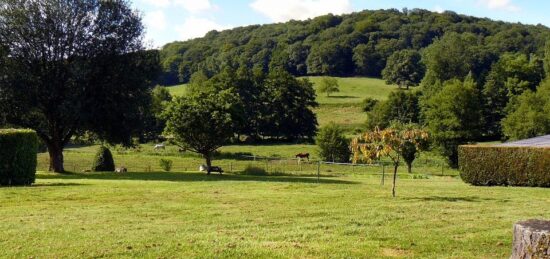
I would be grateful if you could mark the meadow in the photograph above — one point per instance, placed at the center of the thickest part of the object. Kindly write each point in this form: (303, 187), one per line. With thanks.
(344, 107)
(174, 215)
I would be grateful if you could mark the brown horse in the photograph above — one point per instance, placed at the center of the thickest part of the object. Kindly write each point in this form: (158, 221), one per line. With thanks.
(303, 155)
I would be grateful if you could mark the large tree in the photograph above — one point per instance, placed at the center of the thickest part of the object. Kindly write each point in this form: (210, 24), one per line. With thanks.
(70, 66)
(404, 68)
(201, 122)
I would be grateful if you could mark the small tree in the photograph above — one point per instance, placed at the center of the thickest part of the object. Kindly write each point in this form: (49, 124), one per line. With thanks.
(201, 122)
(329, 85)
(333, 144)
(103, 161)
(404, 68)
(391, 143)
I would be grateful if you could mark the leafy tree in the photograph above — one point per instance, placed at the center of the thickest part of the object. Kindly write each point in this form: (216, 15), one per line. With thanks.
(289, 114)
(333, 144)
(367, 61)
(509, 77)
(201, 122)
(404, 68)
(401, 107)
(74, 66)
(392, 143)
(529, 115)
(159, 97)
(368, 104)
(453, 117)
(329, 85)
(103, 161)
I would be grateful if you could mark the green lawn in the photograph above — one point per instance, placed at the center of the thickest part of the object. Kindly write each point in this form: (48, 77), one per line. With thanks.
(177, 90)
(174, 215)
(354, 90)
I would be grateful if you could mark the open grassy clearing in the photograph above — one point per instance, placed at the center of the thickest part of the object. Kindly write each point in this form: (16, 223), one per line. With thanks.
(177, 90)
(192, 215)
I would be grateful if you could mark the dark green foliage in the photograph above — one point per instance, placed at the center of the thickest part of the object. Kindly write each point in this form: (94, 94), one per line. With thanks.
(81, 66)
(17, 157)
(368, 104)
(529, 114)
(103, 160)
(512, 75)
(404, 68)
(401, 106)
(166, 164)
(508, 166)
(453, 117)
(355, 44)
(333, 144)
(201, 122)
(329, 85)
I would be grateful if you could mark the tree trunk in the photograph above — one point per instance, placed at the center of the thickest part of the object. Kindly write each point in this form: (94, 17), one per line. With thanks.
(531, 239)
(208, 163)
(409, 168)
(56, 158)
(394, 179)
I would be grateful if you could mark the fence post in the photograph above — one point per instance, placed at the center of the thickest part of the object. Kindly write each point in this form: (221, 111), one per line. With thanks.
(318, 171)
(442, 170)
(383, 173)
(231, 167)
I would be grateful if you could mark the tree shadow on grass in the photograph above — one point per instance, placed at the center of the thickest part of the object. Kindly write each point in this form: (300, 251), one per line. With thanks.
(343, 97)
(191, 177)
(456, 199)
(56, 184)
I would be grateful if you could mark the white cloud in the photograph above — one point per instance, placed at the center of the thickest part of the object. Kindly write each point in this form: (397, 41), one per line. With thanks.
(505, 5)
(195, 6)
(157, 3)
(155, 20)
(284, 10)
(195, 27)
(438, 9)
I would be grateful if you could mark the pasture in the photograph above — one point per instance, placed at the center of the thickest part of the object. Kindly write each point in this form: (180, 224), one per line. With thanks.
(344, 107)
(174, 215)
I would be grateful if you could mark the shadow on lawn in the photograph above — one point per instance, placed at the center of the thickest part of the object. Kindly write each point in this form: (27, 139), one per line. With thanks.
(456, 199)
(190, 177)
(343, 97)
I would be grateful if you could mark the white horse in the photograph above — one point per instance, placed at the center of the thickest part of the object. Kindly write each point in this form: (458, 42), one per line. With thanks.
(159, 147)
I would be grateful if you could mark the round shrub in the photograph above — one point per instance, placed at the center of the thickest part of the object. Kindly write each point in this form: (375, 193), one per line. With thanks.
(333, 144)
(368, 104)
(103, 161)
(17, 157)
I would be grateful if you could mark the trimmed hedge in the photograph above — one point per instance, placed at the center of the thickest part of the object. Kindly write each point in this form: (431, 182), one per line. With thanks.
(18, 150)
(508, 166)
(103, 161)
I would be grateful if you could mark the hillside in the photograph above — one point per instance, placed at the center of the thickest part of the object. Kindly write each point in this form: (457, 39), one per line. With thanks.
(356, 44)
(344, 107)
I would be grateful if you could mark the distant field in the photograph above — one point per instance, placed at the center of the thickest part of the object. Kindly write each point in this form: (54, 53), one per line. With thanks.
(343, 107)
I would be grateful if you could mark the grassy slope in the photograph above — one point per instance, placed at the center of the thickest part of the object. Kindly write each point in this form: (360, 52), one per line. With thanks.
(343, 107)
(174, 215)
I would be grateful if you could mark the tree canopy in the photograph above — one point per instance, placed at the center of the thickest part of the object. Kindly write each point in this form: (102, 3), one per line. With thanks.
(73, 66)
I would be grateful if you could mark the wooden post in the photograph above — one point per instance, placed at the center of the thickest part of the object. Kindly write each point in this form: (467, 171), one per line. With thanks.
(231, 167)
(383, 173)
(531, 239)
(318, 171)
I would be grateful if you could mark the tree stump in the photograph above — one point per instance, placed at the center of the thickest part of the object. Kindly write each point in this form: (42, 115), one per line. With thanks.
(531, 240)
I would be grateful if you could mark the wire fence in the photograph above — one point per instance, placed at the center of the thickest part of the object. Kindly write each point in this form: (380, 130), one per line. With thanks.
(269, 166)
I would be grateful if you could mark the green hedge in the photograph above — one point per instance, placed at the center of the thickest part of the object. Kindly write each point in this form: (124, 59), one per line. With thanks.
(18, 150)
(508, 166)
(103, 161)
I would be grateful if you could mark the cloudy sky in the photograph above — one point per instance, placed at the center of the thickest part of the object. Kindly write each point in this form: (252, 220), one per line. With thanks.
(171, 20)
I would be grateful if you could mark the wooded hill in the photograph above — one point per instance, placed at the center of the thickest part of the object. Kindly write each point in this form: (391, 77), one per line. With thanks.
(356, 44)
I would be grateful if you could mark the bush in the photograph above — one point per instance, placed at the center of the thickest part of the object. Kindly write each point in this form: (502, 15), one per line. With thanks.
(333, 144)
(166, 164)
(508, 166)
(368, 104)
(254, 170)
(17, 157)
(103, 161)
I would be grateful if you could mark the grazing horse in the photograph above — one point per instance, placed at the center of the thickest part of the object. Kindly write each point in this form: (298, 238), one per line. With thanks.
(160, 146)
(302, 155)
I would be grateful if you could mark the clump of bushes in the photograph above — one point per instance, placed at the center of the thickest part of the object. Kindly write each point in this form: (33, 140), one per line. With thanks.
(18, 150)
(103, 161)
(333, 144)
(368, 104)
(254, 170)
(508, 166)
(166, 164)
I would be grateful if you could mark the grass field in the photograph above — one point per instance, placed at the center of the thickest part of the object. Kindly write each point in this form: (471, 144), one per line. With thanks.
(174, 215)
(343, 107)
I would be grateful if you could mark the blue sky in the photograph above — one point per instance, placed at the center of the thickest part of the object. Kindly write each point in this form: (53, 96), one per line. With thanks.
(171, 20)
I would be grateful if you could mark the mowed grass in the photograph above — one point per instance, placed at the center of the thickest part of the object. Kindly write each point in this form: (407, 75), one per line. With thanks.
(177, 90)
(175, 215)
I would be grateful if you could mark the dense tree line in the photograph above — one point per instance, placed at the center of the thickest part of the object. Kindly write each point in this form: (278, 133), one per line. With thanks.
(357, 44)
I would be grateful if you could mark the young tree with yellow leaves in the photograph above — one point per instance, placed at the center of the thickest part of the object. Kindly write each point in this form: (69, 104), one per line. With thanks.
(392, 142)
